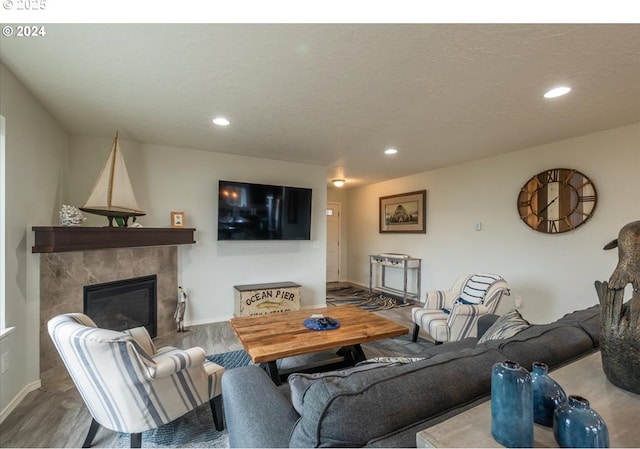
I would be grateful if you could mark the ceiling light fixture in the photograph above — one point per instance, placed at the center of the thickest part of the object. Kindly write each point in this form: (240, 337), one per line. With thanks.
(338, 182)
(221, 121)
(390, 151)
(557, 92)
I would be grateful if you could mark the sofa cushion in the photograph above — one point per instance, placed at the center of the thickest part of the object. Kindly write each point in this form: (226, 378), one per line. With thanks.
(449, 346)
(581, 315)
(376, 403)
(587, 319)
(506, 326)
(257, 413)
(553, 344)
(299, 383)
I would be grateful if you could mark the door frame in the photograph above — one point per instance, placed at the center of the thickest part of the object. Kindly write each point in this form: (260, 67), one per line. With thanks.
(338, 207)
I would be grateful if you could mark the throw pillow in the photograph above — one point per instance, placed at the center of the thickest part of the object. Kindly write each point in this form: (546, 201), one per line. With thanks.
(299, 383)
(476, 287)
(390, 360)
(505, 326)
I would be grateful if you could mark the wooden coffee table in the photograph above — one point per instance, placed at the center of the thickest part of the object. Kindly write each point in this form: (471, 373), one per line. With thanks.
(268, 338)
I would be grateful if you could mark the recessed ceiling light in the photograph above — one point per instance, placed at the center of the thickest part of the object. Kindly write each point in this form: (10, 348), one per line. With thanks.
(557, 92)
(221, 121)
(390, 151)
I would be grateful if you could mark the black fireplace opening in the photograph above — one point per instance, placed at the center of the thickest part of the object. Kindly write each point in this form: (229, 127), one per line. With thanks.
(124, 304)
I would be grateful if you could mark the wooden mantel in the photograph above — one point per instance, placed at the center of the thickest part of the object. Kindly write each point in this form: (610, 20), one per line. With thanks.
(53, 239)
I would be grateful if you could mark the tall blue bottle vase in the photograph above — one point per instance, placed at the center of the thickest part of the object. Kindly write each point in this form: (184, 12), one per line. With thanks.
(511, 405)
(547, 394)
(576, 424)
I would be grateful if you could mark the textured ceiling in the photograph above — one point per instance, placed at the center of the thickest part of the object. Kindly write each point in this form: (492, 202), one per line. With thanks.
(336, 95)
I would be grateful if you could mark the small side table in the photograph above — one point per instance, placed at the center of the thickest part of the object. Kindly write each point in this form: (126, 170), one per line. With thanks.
(400, 261)
(585, 377)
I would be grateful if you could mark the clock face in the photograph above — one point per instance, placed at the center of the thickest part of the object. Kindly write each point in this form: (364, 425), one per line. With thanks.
(557, 200)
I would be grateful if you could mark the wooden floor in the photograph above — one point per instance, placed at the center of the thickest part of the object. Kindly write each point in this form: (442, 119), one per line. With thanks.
(55, 415)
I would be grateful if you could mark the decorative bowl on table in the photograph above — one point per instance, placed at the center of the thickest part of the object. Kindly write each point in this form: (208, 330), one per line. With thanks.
(321, 323)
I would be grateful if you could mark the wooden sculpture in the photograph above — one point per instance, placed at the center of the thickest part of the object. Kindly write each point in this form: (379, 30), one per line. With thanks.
(180, 308)
(620, 321)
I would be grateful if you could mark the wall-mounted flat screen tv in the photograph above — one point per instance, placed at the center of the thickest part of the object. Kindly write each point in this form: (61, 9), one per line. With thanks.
(263, 212)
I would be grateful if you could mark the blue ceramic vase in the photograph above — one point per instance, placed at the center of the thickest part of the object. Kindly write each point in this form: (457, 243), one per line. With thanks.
(575, 424)
(547, 394)
(511, 405)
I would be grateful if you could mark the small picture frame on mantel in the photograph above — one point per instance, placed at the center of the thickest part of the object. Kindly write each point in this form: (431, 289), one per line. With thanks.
(177, 219)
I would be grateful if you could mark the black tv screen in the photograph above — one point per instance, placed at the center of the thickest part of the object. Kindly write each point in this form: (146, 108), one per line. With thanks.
(263, 212)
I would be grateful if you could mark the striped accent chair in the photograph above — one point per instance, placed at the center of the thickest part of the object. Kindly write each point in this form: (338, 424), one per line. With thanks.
(451, 315)
(127, 384)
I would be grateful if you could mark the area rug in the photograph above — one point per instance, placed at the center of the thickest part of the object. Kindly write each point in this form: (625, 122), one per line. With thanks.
(196, 428)
(401, 346)
(230, 360)
(361, 297)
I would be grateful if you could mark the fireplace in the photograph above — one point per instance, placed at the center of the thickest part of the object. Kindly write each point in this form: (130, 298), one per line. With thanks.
(123, 304)
(63, 276)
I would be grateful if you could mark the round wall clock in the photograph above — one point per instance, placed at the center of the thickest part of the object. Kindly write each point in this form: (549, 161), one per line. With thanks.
(557, 200)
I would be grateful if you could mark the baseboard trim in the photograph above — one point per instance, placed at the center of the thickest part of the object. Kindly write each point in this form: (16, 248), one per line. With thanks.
(217, 319)
(18, 399)
(354, 283)
(227, 318)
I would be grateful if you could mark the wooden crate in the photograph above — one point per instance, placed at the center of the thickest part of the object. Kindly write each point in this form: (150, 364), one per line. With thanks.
(262, 299)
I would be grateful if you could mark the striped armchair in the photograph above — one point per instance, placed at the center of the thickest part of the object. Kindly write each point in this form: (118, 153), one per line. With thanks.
(451, 315)
(127, 384)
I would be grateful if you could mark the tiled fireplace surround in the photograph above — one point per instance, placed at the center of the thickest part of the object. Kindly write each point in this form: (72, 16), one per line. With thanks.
(63, 276)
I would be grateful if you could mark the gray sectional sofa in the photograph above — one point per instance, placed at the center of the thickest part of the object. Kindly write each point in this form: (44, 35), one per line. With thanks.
(387, 405)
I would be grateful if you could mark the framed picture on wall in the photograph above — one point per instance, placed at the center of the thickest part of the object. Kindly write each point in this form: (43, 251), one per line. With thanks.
(177, 219)
(403, 213)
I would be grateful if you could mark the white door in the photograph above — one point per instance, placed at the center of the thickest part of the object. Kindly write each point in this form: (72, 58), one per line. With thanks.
(333, 242)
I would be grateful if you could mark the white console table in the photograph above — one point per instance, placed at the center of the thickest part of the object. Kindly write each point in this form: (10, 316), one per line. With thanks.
(398, 261)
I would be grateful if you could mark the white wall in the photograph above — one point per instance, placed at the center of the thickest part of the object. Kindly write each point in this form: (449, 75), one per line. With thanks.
(554, 274)
(169, 179)
(36, 148)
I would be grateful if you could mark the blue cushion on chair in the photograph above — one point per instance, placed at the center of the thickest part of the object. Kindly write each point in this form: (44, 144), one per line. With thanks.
(458, 301)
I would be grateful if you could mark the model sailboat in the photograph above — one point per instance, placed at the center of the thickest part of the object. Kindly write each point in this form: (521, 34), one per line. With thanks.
(112, 194)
